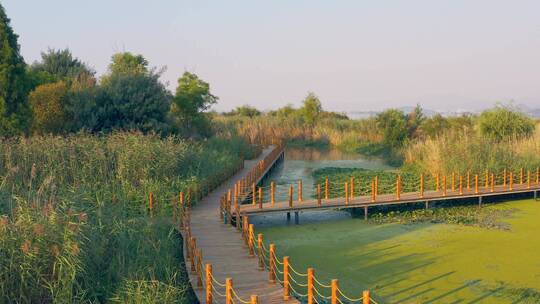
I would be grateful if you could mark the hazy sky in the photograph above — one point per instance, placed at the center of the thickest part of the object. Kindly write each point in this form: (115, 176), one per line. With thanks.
(355, 55)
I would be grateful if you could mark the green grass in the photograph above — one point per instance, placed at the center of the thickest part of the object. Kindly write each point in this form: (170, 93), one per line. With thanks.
(74, 218)
(422, 262)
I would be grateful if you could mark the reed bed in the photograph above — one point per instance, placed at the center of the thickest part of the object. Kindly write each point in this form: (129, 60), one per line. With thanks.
(75, 224)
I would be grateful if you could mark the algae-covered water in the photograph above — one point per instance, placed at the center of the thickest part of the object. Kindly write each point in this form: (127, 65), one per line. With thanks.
(420, 263)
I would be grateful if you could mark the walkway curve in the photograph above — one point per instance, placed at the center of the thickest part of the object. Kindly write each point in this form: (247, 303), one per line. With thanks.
(223, 247)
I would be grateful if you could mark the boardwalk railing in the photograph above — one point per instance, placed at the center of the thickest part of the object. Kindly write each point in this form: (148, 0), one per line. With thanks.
(303, 285)
(377, 190)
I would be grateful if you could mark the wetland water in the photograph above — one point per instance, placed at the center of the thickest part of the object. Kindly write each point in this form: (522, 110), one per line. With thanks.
(408, 263)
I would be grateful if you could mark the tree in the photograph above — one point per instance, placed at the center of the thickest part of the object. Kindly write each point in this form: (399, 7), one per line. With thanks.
(48, 104)
(415, 120)
(311, 108)
(393, 124)
(126, 63)
(60, 65)
(15, 113)
(192, 98)
(505, 122)
(127, 102)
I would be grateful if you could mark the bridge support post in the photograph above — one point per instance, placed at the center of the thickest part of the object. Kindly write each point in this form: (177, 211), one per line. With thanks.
(288, 216)
(480, 201)
(535, 195)
(365, 212)
(296, 218)
(427, 205)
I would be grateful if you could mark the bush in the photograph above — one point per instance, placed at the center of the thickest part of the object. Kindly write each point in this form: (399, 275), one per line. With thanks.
(503, 123)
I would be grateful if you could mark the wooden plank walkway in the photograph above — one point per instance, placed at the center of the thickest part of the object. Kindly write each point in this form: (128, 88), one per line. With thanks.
(385, 199)
(223, 247)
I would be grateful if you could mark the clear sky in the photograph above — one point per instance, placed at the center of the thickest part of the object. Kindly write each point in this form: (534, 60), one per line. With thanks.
(355, 55)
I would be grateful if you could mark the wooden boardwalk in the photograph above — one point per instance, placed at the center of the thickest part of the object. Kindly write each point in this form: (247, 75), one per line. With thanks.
(223, 247)
(387, 199)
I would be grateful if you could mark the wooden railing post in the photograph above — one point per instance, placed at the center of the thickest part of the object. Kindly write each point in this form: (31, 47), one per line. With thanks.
(504, 178)
(476, 183)
(286, 286)
(319, 194)
(521, 176)
(228, 291)
(245, 228)
(437, 182)
(254, 194)
(310, 295)
(487, 180)
(273, 193)
(193, 256)
(300, 198)
(460, 184)
(492, 182)
(260, 250)
(373, 197)
(366, 297)
(326, 188)
(251, 244)
(334, 296)
(453, 181)
(346, 193)
(209, 298)
(290, 196)
(422, 185)
(352, 187)
(271, 263)
(254, 299)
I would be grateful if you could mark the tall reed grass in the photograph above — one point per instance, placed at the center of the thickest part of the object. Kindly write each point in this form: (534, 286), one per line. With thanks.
(74, 220)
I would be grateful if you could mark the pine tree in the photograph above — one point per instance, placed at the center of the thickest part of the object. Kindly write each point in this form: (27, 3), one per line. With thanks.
(14, 110)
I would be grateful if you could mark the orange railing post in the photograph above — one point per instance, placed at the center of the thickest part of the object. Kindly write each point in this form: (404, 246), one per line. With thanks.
(254, 299)
(326, 188)
(352, 187)
(373, 191)
(492, 182)
(476, 183)
(290, 196)
(437, 182)
(310, 274)
(271, 263)
(300, 198)
(346, 193)
(504, 178)
(260, 198)
(286, 286)
(453, 181)
(193, 253)
(151, 203)
(487, 180)
(273, 193)
(334, 296)
(228, 291)
(254, 194)
(460, 185)
(319, 194)
(209, 284)
(422, 185)
(366, 297)
(521, 176)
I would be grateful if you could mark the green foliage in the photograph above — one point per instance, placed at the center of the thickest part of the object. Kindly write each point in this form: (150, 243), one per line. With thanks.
(15, 113)
(58, 65)
(75, 225)
(125, 102)
(393, 126)
(246, 110)
(504, 122)
(311, 109)
(192, 98)
(414, 120)
(48, 104)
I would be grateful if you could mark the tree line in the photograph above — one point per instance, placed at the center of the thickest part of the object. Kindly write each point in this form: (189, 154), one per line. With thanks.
(60, 94)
